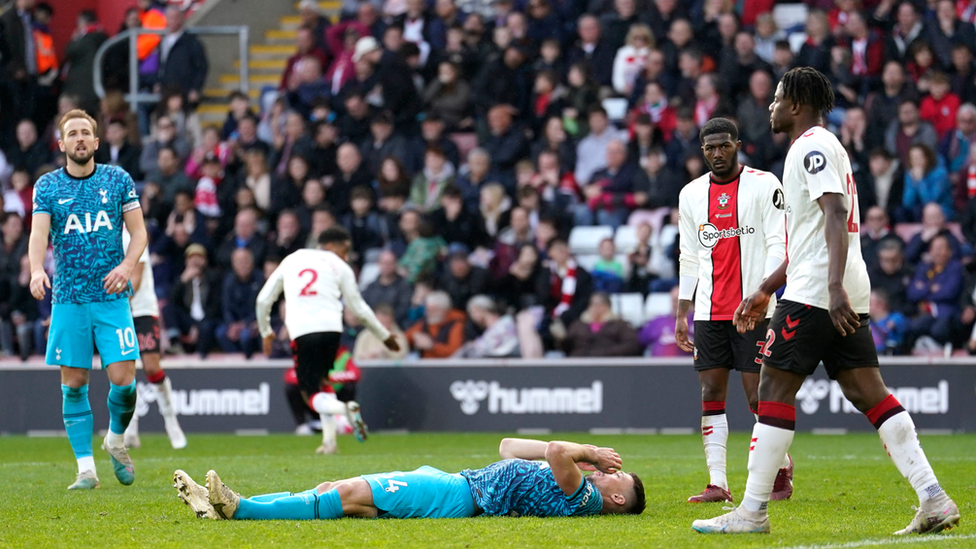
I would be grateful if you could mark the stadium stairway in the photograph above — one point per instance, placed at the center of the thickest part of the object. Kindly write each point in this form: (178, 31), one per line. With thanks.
(269, 51)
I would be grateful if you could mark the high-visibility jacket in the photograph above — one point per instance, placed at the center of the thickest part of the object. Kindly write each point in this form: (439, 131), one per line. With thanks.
(153, 18)
(44, 51)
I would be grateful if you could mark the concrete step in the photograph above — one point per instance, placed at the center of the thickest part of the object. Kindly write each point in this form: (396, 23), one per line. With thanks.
(290, 22)
(264, 66)
(276, 36)
(271, 51)
(232, 81)
(220, 94)
(327, 6)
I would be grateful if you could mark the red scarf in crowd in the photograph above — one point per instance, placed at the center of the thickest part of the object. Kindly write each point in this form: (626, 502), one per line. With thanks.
(564, 288)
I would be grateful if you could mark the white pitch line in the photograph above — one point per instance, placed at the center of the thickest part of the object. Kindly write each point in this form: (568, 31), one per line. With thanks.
(888, 541)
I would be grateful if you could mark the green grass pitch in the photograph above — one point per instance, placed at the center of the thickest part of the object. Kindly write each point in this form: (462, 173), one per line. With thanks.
(847, 494)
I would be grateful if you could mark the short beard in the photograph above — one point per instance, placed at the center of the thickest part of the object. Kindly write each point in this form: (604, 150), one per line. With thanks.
(80, 160)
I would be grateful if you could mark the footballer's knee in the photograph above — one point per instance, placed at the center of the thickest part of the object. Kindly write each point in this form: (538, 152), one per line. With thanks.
(863, 387)
(714, 384)
(74, 377)
(324, 487)
(150, 364)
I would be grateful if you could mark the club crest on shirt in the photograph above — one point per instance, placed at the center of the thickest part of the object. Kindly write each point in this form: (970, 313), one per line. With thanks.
(723, 201)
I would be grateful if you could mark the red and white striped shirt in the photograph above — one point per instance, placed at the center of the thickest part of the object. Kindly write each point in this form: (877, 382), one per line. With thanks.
(733, 234)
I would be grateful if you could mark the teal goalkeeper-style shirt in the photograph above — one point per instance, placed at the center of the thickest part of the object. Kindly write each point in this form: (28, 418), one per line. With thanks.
(519, 487)
(86, 229)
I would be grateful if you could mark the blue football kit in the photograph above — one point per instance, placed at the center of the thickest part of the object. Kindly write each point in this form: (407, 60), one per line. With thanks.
(86, 234)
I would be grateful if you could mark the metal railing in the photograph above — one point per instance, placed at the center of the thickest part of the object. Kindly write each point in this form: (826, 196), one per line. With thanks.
(135, 97)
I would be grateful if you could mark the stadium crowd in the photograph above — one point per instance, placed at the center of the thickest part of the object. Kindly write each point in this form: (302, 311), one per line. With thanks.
(508, 169)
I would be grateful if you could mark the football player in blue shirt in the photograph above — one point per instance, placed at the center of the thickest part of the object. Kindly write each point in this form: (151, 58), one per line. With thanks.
(82, 208)
(515, 486)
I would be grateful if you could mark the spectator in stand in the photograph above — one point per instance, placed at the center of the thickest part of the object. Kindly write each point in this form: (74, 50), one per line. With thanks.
(462, 280)
(79, 60)
(709, 101)
(526, 284)
(476, 176)
(926, 182)
(163, 135)
(506, 144)
(908, 130)
(908, 29)
(239, 332)
(608, 273)
(458, 224)
(168, 177)
(429, 184)
(737, 69)
(292, 140)
(888, 327)
(518, 232)
(441, 332)
(591, 152)
(239, 107)
(306, 45)
(886, 179)
(366, 226)
(783, 59)
(875, 231)
(20, 315)
(955, 150)
(306, 86)
(867, 49)
(583, 94)
(599, 332)
(591, 49)
(399, 94)
(182, 58)
(370, 347)
(173, 106)
(936, 291)
(753, 110)
(680, 37)
(18, 199)
(499, 338)
(940, 106)
(193, 310)
(286, 189)
(644, 137)
(449, 97)
(383, 142)
(968, 182)
(287, 236)
(657, 336)
(28, 152)
(13, 246)
(883, 105)
(352, 172)
(390, 288)
(258, 179)
(815, 51)
(432, 129)
(614, 191)
(961, 73)
(945, 30)
(570, 285)
(933, 225)
(244, 235)
(117, 150)
(639, 258)
(631, 59)
(424, 246)
(684, 140)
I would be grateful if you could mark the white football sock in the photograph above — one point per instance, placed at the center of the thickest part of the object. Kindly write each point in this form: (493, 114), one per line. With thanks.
(715, 437)
(164, 397)
(766, 453)
(901, 441)
(115, 440)
(328, 429)
(327, 404)
(86, 463)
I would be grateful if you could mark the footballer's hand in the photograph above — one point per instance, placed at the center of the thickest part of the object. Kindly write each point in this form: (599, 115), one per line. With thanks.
(750, 311)
(606, 460)
(391, 344)
(681, 334)
(842, 315)
(267, 343)
(38, 282)
(586, 466)
(117, 280)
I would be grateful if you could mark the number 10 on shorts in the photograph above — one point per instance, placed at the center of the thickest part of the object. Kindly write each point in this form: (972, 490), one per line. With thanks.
(127, 338)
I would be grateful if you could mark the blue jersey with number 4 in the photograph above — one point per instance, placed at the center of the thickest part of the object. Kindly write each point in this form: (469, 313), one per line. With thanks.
(519, 487)
(86, 229)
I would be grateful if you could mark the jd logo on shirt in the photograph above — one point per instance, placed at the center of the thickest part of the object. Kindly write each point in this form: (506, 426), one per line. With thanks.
(814, 162)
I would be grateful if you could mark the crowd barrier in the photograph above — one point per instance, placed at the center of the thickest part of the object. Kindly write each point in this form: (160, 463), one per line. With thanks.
(595, 395)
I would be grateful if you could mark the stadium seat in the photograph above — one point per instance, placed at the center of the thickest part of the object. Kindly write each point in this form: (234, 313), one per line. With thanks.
(587, 261)
(625, 239)
(624, 260)
(616, 108)
(788, 16)
(657, 304)
(369, 273)
(586, 240)
(629, 307)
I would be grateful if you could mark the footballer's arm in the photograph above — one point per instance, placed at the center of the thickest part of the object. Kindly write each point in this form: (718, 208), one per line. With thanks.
(564, 456)
(522, 448)
(36, 251)
(688, 271)
(117, 279)
(265, 301)
(835, 212)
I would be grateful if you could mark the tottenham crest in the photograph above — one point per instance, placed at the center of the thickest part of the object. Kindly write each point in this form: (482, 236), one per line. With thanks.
(723, 201)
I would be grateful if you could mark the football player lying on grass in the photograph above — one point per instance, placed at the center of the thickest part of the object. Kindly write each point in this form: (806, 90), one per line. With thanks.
(515, 486)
